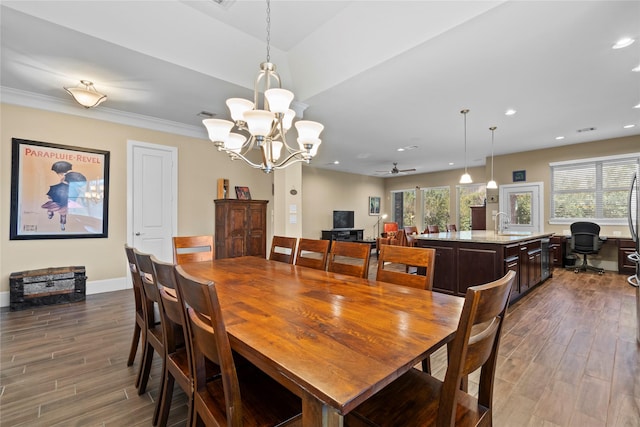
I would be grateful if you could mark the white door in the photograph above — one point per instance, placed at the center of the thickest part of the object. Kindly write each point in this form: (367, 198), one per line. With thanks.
(523, 205)
(152, 198)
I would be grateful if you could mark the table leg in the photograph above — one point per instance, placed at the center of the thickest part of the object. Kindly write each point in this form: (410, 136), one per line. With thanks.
(315, 413)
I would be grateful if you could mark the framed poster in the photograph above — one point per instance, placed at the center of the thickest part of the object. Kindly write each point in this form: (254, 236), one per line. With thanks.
(58, 192)
(374, 205)
(242, 193)
(519, 176)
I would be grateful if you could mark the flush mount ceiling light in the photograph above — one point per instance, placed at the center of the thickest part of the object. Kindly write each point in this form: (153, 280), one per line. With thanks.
(465, 178)
(625, 42)
(492, 184)
(86, 94)
(266, 121)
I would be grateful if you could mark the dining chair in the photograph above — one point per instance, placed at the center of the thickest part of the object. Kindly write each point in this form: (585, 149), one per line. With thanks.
(432, 229)
(240, 397)
(193, 249)
(312, 253)
(394, 264)
(139, 330)
(451, 227)
(418, 399)
(155, 334)
(410, 231)
(393, 256)
(177, 350)
(283, 249)
(349, 258)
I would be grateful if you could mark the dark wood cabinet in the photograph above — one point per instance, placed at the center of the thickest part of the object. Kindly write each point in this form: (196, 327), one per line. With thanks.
(512, 263)
(478, 217)
(351, 234)
(626, 247)
(241, 228)
(558, 250)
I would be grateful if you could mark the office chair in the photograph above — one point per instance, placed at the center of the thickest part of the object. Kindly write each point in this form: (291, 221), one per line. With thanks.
(585, 239)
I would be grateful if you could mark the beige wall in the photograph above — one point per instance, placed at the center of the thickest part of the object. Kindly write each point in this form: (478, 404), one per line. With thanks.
(199, 167)
(324, 191)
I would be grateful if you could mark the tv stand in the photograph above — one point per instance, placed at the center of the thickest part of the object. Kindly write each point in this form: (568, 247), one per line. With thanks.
(348, 234)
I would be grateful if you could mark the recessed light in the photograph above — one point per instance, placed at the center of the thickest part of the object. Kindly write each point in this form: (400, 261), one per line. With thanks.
(336, 162)
(627, 41)
(559, 137)
(636, 69)
(636, 106)
(628, 126)
(510, 112)
(451, 163)
(400, 149)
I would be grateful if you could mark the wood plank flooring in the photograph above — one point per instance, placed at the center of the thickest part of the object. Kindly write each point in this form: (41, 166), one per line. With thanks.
(569, 357)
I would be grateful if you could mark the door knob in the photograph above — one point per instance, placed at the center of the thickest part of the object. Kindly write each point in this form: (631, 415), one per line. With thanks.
(138, 233)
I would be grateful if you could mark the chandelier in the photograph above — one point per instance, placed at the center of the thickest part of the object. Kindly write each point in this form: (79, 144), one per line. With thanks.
(264, 123)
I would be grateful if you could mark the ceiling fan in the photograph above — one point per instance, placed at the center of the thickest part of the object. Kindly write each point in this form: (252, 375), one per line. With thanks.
(395, 170)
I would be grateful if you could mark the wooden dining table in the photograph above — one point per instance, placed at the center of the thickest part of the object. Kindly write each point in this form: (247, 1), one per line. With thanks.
(334, 340)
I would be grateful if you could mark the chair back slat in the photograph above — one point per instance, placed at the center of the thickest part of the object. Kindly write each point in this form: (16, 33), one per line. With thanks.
(406, 257)
(193, 249)
(349, 258)
(283, 249)
(312, 253)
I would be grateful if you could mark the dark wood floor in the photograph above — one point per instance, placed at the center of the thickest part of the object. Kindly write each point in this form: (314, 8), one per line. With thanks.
(569, 357)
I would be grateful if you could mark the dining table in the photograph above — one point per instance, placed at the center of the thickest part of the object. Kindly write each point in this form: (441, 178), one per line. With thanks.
(334, 340)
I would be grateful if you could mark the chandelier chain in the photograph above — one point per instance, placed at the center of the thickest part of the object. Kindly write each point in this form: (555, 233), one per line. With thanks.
(268, 31)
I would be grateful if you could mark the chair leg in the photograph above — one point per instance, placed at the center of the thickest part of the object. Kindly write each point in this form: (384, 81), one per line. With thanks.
(145, 369)
(165, 381)
(426, 365)
(165, 402)
(135, 341)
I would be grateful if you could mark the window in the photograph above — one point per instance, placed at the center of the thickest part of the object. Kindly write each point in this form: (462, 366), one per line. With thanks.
(403, 205)
(469, 195)
(436, 202)
(592, 189)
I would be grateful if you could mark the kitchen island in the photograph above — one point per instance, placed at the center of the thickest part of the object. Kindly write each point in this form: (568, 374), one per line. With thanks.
(469, 258)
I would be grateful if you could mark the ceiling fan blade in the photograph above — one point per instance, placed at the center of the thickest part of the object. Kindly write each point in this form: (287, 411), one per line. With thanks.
(407, 170)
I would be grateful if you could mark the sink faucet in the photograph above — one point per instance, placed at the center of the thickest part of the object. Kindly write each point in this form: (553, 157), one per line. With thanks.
(498, 226)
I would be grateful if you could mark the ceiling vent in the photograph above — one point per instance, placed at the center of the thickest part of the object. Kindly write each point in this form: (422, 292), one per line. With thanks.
(585, 130)
(225, 3)
(206, 114)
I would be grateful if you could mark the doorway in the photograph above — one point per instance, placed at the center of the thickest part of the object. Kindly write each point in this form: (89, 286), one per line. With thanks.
(523, 205)
(152, 199)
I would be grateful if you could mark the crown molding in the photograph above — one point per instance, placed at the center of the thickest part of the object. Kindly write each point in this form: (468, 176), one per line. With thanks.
(57, 105)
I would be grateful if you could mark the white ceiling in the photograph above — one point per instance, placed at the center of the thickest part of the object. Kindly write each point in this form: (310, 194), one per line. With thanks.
(379, 75)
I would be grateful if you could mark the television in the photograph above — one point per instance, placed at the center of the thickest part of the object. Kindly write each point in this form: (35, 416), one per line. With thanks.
(342, 219)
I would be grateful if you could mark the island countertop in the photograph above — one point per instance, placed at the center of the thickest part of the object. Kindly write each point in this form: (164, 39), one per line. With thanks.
(482, 236)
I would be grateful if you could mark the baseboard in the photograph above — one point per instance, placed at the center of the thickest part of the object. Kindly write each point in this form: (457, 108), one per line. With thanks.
(93, 287)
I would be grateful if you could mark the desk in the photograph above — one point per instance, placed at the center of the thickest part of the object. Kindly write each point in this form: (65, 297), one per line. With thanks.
(332, 339)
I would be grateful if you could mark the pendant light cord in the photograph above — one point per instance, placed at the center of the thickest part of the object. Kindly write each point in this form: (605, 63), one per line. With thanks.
(268, 31)
(492, 129)
(464, 112)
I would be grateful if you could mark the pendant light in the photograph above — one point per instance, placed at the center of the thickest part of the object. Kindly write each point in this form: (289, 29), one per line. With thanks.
(492, 184)
(465, 178)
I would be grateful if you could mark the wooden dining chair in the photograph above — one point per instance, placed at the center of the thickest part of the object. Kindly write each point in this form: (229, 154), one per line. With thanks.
(283, 249)
(349, 258)
(240, 397)
(155, 334)
(418, 399)
(193, 249)
(177, 350)
(312, 253)
(139, 330)
(451, 227)
(394, 261)
(432, 229)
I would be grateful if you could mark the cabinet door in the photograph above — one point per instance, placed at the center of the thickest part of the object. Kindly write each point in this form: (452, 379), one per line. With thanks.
(444, 275)
(256, 239)
(513, 264)
(236, 231)
(524, 268)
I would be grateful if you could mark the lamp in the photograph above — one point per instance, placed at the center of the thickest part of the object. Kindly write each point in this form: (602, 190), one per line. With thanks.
(378, 223)
(492, 184)
(465, 178)
(266, 120)
(86, 94)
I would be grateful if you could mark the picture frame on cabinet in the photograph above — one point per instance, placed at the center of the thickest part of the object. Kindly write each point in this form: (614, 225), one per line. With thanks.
(243, 193)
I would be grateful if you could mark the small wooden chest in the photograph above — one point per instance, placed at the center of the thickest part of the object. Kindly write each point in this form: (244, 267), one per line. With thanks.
(54, 285)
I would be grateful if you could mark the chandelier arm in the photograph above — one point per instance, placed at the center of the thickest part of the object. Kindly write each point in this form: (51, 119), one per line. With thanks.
(285, 165)
(281, 165)
(235, 156)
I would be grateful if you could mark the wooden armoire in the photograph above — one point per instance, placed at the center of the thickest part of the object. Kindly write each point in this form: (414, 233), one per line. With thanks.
(241, 228)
